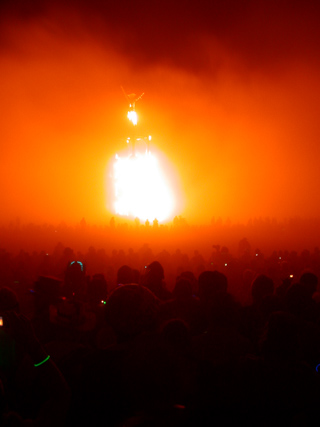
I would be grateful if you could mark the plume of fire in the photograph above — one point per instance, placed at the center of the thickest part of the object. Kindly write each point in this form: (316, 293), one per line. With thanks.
(141, 189)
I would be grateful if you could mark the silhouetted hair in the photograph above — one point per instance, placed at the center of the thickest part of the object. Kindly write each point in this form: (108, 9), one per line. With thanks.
(211, 282)
(124, 275)
(182, 289)
(297, 299)
(155, 270)
(131, 309)
(8, 300)
(261, 287)
(309, 281)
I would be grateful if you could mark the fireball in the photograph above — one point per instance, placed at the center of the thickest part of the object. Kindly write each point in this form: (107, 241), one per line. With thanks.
(141, 188)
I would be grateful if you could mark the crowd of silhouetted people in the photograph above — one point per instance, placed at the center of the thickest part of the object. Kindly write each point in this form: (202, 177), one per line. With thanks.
(137, 338)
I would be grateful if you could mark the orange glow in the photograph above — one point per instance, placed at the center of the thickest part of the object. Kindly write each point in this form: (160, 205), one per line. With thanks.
(243, 136)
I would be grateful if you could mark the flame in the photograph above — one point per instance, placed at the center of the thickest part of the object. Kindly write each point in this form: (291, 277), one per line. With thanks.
(141, 188)
(133, 117)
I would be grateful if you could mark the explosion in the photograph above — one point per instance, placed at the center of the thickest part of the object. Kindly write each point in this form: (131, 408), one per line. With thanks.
(140, 185)
(141, 189)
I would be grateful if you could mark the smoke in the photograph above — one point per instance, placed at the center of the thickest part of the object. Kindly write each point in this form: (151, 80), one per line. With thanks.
(231, 93)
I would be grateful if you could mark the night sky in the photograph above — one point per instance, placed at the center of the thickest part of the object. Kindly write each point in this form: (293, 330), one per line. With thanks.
(232, 93)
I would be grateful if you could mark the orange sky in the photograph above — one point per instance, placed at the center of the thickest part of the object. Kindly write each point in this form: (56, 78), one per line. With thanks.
(235, 113)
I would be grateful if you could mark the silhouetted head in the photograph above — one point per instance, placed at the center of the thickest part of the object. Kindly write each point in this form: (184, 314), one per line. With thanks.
(298, 299)
(188, 275)
(8, 300)
(124, 275)
(48, 287)
(247, 276)
(262, 286)
(224, 311)
(153, 276)
(98, 289)
(310, 282)
(182, 289)
(155, 271)
(75, 278)
(68, 253)
(131, 310)
(47, 290)
(210, 283)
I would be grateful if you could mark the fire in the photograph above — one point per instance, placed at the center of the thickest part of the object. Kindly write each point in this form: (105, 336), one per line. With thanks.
(141, 188)
(133, 117)
(141, 184)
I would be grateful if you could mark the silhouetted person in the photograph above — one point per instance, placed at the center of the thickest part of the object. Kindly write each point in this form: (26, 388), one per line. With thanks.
(211, 283)
(188, 275)
(278, 388)
(299, 302)
(131, 310)
(310, 282)
(262, 286)
(97, 290)
(125, 275)
(264, 302)
(75, 280)
(184, 305)
(115, 378)
(44, 395)
(47, 293)
(8, 300)
(154, 280)
(176, 333)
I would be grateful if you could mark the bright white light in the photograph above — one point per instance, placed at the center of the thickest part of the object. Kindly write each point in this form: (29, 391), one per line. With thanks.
(133, 117)
(141, 188)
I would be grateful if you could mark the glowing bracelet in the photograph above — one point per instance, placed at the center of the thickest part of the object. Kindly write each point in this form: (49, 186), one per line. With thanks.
(41, 363)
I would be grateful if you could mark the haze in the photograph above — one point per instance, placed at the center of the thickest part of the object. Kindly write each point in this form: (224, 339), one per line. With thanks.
(231, 100)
